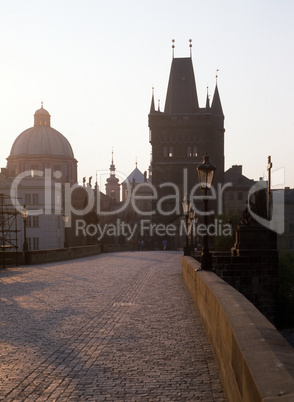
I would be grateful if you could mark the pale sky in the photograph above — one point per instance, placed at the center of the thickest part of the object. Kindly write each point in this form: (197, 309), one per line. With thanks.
(94, 63)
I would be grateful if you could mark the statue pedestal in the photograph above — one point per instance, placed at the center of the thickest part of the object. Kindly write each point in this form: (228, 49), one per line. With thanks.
(253, 240)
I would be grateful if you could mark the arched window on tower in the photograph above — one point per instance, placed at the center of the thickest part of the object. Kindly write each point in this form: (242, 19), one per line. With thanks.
(189, 152)
(195, 151)
(171, 152)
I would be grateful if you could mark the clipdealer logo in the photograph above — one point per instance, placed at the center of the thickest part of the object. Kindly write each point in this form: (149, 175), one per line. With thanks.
(63, 205)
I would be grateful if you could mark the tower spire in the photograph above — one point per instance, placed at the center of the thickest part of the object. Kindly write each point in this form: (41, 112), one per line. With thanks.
(207, 100)
(190, 46)
(216, 106)
(152, 107)
(112, 165)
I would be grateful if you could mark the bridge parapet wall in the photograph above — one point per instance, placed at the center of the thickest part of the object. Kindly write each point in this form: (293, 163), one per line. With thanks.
(59, 254)
(256, 363)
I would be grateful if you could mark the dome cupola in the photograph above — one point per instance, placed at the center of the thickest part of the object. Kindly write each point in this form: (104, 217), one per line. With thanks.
(41, 117)
(41, 147)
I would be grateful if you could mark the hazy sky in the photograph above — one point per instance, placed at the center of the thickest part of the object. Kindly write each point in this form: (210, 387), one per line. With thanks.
(93, 64)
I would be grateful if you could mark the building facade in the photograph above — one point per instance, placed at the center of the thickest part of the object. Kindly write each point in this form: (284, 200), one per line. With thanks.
(41, 161)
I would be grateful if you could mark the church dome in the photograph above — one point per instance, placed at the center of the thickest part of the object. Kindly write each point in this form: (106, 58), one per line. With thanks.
(41, 139)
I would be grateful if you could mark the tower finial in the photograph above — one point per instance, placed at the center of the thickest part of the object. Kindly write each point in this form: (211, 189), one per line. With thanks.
(173, 47)
(42, 105)
(190, 46)
(112, 155)
(216, 76)
(136, 161)
(159, 105)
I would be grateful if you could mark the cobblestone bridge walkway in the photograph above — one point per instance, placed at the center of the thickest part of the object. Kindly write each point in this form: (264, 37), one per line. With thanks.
(116, 327)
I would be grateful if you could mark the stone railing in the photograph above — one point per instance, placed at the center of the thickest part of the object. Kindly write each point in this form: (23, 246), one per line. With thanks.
(256, 363)
(60, 254)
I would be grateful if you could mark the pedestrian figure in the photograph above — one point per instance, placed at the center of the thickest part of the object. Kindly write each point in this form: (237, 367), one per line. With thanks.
(164, 244)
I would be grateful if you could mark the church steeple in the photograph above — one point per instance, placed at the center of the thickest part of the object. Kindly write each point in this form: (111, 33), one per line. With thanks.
(216, 106)
(112, 166)
(112, 186)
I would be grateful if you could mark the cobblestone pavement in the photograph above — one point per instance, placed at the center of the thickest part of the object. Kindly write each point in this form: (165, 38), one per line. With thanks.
(115, 327)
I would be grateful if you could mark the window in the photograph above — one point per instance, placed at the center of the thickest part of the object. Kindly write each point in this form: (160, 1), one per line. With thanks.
(56, 169)
(291, 228)
(33, 243)
(35, 198)
(191, 151)
(33, 222)
(27, 199)
(240, 196)
(112, 194)
(168, 151)
(33, 169)
(231, 196)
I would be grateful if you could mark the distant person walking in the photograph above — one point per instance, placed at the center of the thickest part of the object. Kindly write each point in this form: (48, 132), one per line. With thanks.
(164, 244)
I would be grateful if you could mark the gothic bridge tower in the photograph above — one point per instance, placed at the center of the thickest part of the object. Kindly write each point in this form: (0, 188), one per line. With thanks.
(182, 133)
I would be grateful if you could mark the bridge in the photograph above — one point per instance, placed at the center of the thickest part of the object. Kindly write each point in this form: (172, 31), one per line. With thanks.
(124, 327)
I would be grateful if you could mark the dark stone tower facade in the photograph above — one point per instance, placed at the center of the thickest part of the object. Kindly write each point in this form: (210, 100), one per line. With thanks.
(182, 134)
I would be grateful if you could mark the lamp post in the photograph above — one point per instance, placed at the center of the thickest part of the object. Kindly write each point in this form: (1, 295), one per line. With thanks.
(24, 214)
(186, 210)
(65, 220)
(206, 173)
(192, 217)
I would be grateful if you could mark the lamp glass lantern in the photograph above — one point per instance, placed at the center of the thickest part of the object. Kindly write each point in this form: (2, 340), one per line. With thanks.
(186, 205)
(206, 173)
(24, 213)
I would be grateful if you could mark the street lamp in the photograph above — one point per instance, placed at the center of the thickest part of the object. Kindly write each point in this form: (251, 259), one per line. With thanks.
(206, 174)
(24, 214)
(186, 210)
(65, 220)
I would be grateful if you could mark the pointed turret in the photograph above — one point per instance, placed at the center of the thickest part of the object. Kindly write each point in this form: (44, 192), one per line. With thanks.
(207, 106)
(152, 107)
(181, 94)
(216, 106)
